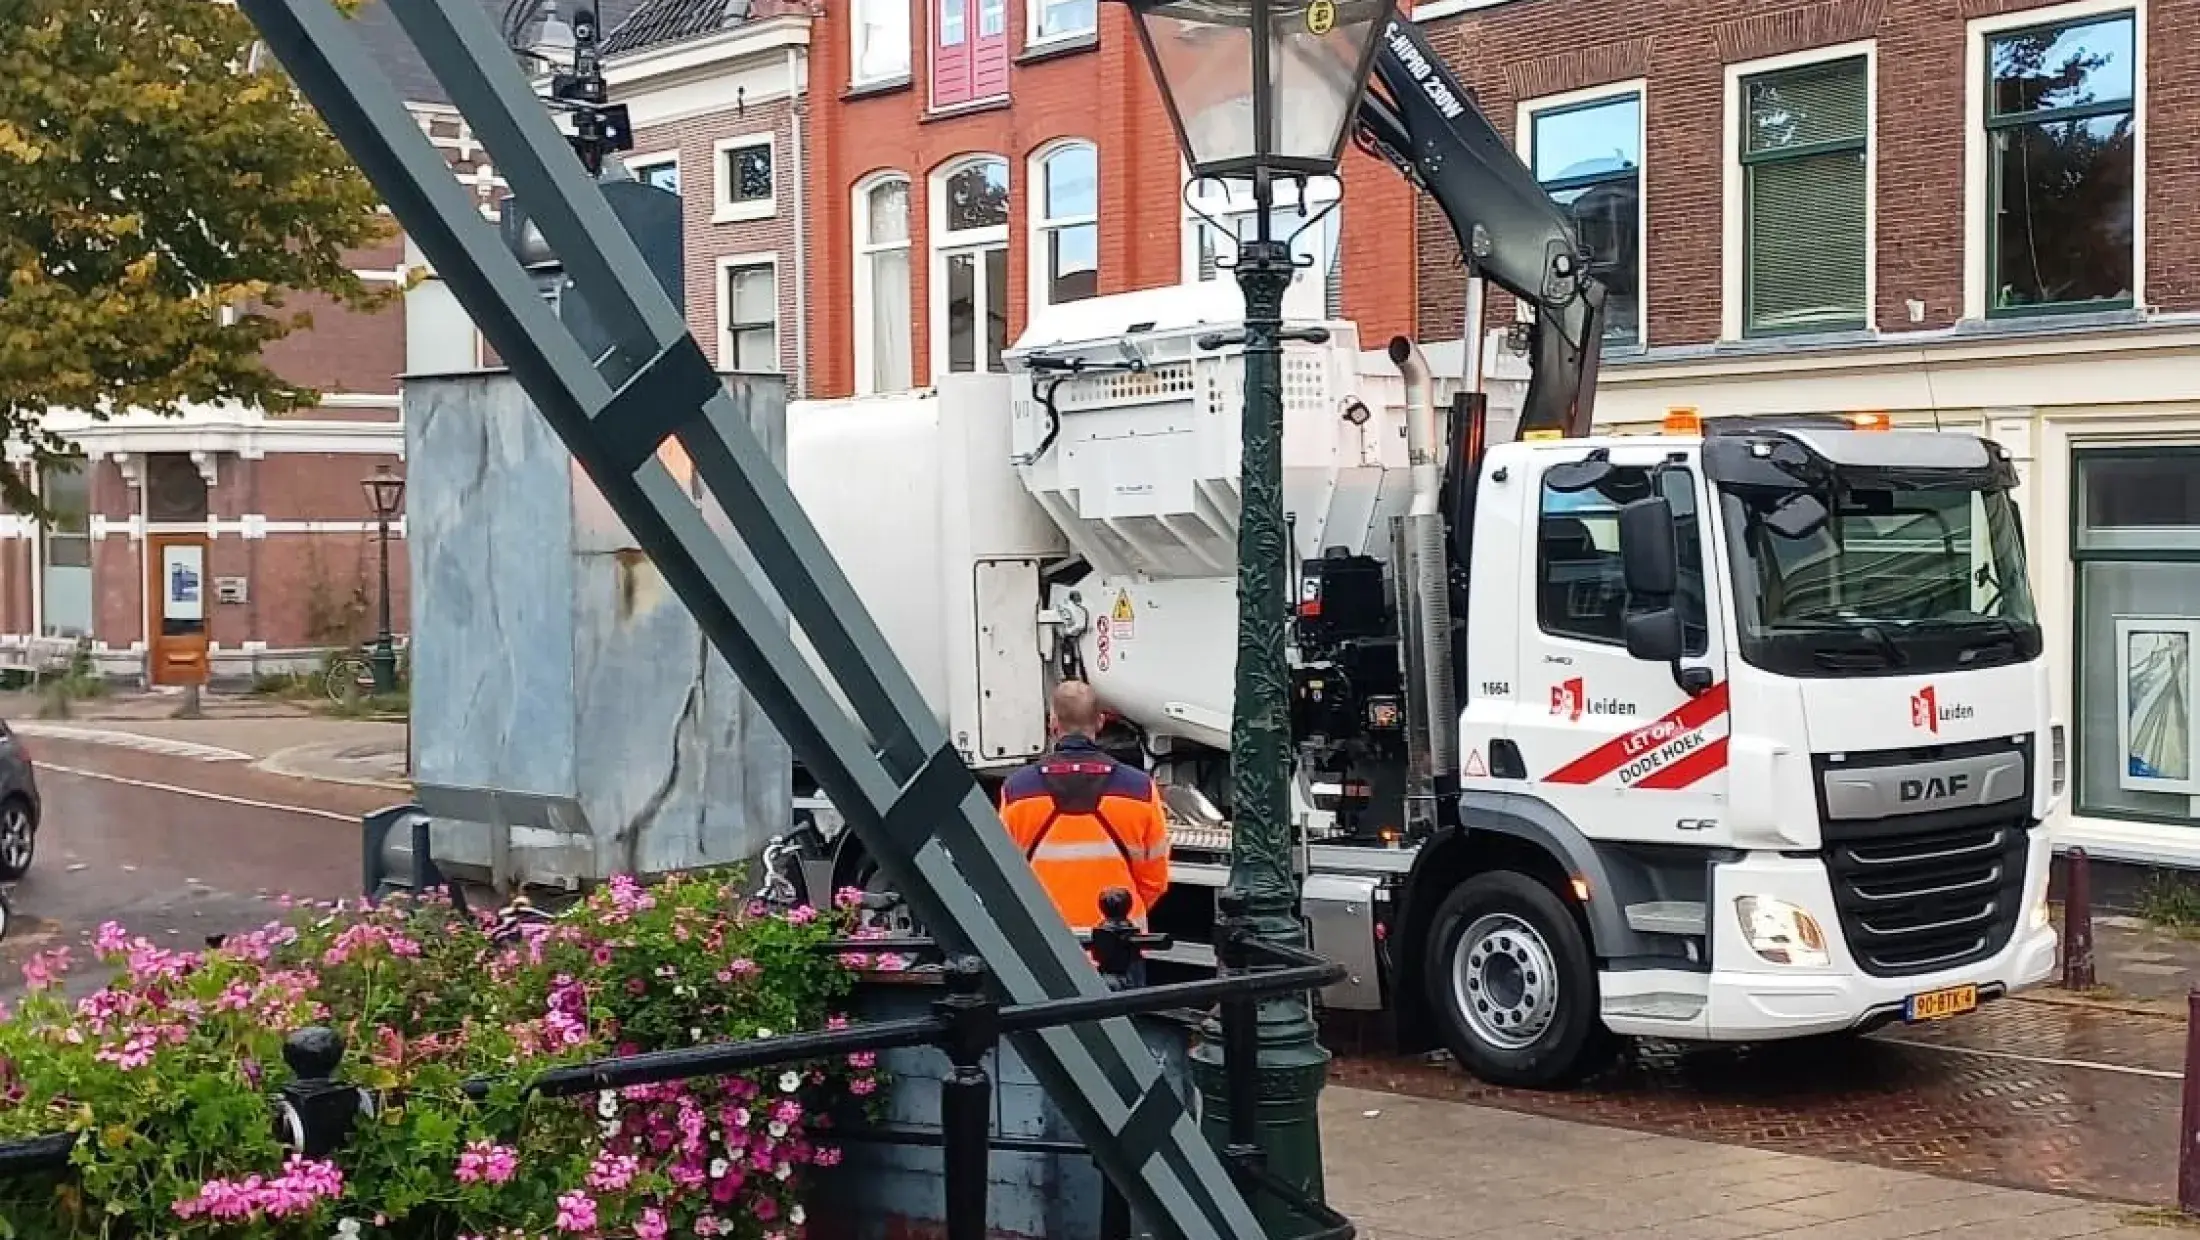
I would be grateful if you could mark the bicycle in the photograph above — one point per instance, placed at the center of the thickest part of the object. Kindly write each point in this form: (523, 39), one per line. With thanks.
(349, 678)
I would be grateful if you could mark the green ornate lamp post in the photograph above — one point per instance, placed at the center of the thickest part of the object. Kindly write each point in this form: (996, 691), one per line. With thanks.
(1259, 91)
(385, 494)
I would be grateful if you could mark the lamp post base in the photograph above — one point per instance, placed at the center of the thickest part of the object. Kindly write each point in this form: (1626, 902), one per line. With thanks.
(1292, 1067)
(382, 662)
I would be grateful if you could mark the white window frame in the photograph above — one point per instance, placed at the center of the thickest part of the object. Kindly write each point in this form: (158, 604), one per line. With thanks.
(727, 211)
(1441, 9)
(1039, 225)
(1975, 153)
(863, 249)
(638, 164)
(1234, 198)
(942, 243)
(1035, 10)
(1733, 243)
(727, 265)
(1524, 126)
(856, 76)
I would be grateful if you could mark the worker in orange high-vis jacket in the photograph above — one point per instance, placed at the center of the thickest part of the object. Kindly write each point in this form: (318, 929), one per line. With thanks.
(1086, 822)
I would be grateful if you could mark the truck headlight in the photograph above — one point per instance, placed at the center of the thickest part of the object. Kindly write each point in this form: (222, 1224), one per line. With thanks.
(1780, 932)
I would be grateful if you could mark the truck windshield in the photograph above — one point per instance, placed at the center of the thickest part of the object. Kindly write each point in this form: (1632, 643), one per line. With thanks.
(1896, 579)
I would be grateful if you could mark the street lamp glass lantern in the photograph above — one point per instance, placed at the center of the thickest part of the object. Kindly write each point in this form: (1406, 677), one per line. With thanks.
(385, 493)
(1269, 85)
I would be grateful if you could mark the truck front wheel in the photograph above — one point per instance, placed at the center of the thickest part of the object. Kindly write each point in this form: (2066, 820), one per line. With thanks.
(1512, 985)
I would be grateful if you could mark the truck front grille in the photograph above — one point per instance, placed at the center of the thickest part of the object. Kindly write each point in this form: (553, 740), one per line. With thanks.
(1928, 898)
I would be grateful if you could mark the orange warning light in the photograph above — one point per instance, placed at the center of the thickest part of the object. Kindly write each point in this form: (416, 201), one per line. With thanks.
(1683, 420)
(1870, 421)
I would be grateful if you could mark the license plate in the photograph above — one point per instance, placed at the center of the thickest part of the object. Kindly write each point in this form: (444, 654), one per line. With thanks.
(1940, 1004)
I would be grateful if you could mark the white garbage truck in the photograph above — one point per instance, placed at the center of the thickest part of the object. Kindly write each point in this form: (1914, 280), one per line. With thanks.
(1738, 731)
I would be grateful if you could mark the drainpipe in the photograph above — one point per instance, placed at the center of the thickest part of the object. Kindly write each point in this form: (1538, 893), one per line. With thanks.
(801, 226)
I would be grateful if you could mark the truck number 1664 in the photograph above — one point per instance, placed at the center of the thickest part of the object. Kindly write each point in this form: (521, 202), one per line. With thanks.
(1497, 688)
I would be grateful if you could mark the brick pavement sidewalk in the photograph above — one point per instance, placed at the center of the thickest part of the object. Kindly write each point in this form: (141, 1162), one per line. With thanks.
(2138, 964)
(1412, 1169)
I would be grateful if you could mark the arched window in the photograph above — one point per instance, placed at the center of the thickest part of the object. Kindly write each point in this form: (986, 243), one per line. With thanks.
(1065, 224)
(1317, 291)
(970, 265)
(883, 332)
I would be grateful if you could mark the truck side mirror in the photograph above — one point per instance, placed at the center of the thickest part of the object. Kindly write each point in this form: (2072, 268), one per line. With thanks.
(1654, 635)
(1649, 555)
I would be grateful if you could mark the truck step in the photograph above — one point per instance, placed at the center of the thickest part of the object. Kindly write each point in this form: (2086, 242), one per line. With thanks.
(1667, 917)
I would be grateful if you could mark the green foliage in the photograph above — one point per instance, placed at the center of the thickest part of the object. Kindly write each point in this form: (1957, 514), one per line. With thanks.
(153, 170)
(2171, 901)
(336, 611)
(167, 1075)
(81, 681)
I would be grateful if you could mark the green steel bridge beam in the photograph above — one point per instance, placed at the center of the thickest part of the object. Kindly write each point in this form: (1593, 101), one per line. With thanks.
(891, 769)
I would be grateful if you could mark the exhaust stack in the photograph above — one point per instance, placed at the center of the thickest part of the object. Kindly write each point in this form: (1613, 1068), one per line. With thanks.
(1425, 590)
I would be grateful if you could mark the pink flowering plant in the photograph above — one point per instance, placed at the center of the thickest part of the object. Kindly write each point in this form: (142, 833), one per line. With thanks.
(167, 1076)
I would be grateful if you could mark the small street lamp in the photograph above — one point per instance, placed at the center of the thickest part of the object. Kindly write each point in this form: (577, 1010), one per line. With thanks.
(386, 496)
(1261, 90)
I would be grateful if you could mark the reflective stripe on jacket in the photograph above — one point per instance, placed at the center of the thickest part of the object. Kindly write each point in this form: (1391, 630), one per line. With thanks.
(1087, 823)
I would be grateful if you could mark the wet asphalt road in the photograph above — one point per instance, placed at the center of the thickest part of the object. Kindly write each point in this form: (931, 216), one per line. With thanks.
(174, 848)
(2024, 1093)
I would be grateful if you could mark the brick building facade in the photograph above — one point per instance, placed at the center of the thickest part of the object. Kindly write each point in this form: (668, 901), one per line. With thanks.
(983, 158)
(718, 116)
(290, 555)
(1970, 214)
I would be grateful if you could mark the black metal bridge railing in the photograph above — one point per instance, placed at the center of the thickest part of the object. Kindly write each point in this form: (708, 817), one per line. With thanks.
(316, 1108)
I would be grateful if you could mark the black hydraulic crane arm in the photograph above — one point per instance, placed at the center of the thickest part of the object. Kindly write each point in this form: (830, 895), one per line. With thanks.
(1417, 115)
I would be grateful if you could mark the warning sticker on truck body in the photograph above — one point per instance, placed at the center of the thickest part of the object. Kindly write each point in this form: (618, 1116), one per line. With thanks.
(1124, 617)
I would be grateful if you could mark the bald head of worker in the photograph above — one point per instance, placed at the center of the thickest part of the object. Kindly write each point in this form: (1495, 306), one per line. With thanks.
(1076, 710)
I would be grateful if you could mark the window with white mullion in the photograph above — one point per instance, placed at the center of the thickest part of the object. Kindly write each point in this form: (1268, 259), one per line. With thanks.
(1065, 260)
(1588, 158)
(1317, 289)
(1806, 214)
(749, 339)
(880, 29)
(883, 327)
(2061, 118)
(970, 267)
(1063, 19)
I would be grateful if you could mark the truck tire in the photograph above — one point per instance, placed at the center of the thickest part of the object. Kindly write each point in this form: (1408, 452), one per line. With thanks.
(1512, 986)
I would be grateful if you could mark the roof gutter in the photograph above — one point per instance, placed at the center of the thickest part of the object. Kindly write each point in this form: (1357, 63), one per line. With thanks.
(797, 116)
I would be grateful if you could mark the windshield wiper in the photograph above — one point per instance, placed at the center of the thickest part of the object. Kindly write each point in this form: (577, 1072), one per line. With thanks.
(2004, 635)
(1883, 651)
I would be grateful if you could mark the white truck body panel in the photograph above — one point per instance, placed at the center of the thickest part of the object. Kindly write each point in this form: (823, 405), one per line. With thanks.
(911, 493)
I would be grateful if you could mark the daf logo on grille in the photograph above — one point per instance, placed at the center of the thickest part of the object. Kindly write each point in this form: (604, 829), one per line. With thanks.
(1933, 788)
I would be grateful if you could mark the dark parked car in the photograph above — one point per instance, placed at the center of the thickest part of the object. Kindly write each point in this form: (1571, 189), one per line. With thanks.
(19, 806)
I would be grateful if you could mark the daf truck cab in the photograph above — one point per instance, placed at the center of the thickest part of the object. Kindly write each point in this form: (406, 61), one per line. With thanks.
(1771, 698)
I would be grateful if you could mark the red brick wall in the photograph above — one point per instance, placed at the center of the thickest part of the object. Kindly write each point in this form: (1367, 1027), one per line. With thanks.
(300, 582)
(1104, 94)
(316, 486)
(2173, 154)
(1534, 48)
(17, 560)
(118, 591)
(112, 496)
(343, 350)
(707, 240)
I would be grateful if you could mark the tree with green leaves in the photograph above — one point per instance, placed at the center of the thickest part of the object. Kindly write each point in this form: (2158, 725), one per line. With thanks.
(162, 188)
